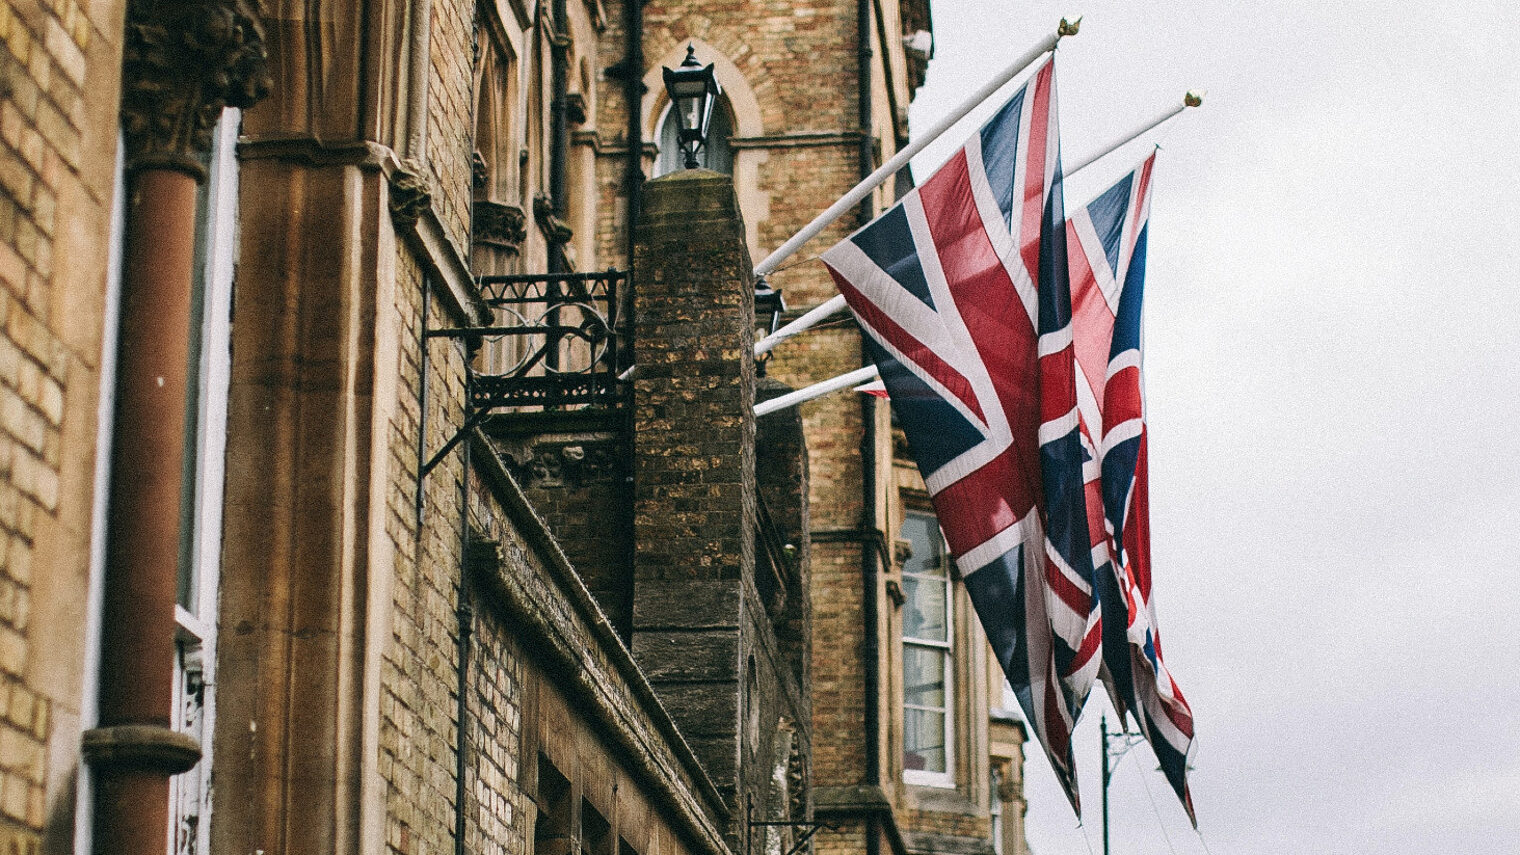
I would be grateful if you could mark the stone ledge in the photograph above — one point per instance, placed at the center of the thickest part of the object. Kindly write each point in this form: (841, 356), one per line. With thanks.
(855, 799)
(638, 731)
(859, 801)
(930, 843)
(142, 747)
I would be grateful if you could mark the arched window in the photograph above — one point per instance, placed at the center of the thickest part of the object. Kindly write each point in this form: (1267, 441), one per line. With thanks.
(717, 155)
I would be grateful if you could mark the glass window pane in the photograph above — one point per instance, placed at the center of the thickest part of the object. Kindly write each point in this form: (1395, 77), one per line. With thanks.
(924, 740)
(922, 531)
(717, 154)
(924, 609)
(923, 676)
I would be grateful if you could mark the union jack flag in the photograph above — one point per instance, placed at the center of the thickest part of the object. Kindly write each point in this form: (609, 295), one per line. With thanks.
(962, 291)
(1106, 242)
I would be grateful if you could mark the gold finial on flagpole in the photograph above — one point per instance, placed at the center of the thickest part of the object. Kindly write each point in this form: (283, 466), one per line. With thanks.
(1194, 97)
(1069, 27)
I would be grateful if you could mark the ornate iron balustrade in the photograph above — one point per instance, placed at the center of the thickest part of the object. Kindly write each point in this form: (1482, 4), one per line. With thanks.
(557, 340)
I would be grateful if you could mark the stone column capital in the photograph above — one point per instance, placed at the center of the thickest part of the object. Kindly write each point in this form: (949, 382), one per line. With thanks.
(183, 61)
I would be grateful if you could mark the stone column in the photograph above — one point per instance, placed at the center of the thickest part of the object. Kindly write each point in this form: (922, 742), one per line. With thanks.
(694, 458)
(183, 62)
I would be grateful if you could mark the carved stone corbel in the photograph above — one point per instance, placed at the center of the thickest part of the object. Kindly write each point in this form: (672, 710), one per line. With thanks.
(411, 194)
(501, 226)
(555, 229)
(182, 62)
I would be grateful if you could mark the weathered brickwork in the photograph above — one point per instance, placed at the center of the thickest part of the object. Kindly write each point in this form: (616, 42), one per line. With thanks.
(702, 630)
(58, 66)
(795, 67)
(419, 717)
(451, 115)
(499, 807)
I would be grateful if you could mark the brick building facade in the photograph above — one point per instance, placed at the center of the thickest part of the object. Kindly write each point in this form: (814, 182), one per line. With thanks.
(272, 274)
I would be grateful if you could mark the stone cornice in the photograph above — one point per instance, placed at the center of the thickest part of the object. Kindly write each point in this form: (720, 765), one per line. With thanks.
(304, 149)
(804, 140)
(183, 61)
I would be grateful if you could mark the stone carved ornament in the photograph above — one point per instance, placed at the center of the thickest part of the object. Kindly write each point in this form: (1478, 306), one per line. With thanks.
(410, 193)
(558, 464)
(499, 225)
(182, 62)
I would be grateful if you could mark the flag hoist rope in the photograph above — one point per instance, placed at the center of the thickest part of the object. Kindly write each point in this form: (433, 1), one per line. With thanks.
(812, 317)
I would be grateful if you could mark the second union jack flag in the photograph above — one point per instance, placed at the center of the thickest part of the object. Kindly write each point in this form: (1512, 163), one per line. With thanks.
(1106, 240)
(962, 291)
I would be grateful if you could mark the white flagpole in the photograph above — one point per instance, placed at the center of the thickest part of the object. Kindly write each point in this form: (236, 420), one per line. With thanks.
(817, 390)
(888, 169)
(801, 324)
(1193, 98)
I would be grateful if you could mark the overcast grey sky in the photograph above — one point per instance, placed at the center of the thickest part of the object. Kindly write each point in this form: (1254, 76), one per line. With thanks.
(1332, 313)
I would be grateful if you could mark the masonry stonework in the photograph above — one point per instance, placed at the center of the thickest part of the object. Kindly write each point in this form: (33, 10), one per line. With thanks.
(644, 626)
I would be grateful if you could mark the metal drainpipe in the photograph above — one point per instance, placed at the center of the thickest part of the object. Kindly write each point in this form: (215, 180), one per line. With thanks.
(422, 403)
(420, 54)
(132, 749)
(869, 552)
(559, 131)
(633, 177)
(466, 616)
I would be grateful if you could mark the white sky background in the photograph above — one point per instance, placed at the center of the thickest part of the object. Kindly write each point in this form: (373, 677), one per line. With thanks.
(1332, 314)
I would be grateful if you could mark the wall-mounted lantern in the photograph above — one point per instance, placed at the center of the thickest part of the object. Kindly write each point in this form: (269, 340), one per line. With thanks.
(768, 308)
(693, 89)
(768, 305)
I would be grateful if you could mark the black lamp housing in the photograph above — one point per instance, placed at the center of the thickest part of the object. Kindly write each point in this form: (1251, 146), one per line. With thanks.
(768, 305)
(693, 90)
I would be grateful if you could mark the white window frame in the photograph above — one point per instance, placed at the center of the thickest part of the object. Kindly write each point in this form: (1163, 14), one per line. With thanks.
(995, 809)
(105, 420)
(924, 777)
(195, 663)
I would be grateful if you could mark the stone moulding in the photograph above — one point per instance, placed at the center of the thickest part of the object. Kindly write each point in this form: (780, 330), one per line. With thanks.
(140, 746)
(424, 232)
(182, 63)
(410, 195)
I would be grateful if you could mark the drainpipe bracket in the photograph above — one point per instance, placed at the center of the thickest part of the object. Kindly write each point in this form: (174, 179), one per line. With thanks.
(140, 747)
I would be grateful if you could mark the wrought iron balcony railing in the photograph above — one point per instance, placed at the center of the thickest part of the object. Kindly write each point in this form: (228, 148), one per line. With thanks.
(558, 340)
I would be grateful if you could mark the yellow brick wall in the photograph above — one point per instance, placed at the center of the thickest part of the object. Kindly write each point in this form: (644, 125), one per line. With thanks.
(59, 73)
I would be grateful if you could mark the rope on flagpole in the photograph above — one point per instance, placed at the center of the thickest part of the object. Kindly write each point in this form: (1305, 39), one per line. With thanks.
(899, 160)
(1193, 98)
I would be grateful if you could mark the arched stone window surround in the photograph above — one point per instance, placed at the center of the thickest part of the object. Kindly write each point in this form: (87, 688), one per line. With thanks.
(744, 108)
